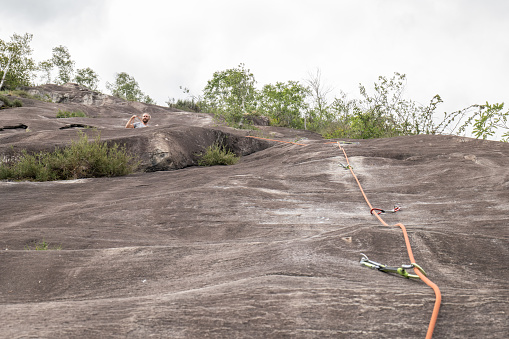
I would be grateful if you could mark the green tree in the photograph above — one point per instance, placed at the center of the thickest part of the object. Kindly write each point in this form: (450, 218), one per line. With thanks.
(400, 116)
(17, 68)
(381, 113)
(148, 100)
(127, 88)
(341, 110)
(284, 103)
(230, 94)
(62, 61)
(387, 98)
(46, 67)
(191, 104)
(87, 77)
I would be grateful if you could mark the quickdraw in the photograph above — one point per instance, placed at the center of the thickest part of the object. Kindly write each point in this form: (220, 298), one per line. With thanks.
(365, 261)
(381, 211)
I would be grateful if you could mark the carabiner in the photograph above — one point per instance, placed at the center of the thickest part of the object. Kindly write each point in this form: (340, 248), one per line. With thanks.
(402, 271)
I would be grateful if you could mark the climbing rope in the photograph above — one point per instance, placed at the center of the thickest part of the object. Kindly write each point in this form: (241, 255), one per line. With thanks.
(285, 142)
(419, 272)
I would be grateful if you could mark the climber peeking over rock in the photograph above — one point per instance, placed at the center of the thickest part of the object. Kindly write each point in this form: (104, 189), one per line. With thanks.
(138, 124)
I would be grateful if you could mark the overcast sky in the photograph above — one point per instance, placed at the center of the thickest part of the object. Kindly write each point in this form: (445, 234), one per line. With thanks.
(456, 48)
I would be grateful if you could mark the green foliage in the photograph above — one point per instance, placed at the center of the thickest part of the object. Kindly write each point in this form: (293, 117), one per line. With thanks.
(81, 159)
(7, 101)
(17, 68)
(372, 124)
(42, 246)
(284, 103)
(384, 113)
(485, 120)
(73, 114)
(217, 155)
(318, 114)
(381, 113)
(87, 77)
(62, 61)
(402, 117)
(148, 100)
(230, 94)
(46, 67)
(17, 103)
(22, 94)
(25, 94)
(490, 118)
(127, 88)
(188, 105)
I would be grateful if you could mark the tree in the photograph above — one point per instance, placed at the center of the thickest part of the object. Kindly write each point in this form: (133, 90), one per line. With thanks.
(148, 100)
(191, 104)
(17, 68)
(46, 67)
(126, 87)
(400, 116)
(284, 103)
(382, 113)
(87, 77)
(318, 113)
(62, 61)
(230, 94)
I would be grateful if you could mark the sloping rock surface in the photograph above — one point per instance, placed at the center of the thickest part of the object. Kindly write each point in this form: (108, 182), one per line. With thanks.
(267, 248)
(174, 139)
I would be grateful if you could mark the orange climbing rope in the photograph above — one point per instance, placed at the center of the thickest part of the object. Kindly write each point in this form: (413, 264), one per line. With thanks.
(286, 142)
(438, 296)
(417, 269)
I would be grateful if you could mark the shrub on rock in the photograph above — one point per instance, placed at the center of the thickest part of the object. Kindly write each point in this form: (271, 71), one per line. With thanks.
(217, 155)
(82, 159)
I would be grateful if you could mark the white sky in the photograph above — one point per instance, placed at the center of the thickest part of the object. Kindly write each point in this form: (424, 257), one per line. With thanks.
(456, 48)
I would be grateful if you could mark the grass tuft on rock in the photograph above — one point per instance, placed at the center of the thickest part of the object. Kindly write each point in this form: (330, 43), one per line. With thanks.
(82, 159)
(73, 114)
(24, 94)
(10, 103)
(217, 155)
(42, 246)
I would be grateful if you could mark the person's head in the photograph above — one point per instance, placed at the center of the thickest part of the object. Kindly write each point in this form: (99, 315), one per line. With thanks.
(145, 118)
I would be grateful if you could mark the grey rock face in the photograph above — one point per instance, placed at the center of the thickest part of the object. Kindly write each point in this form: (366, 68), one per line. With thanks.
(267, 248)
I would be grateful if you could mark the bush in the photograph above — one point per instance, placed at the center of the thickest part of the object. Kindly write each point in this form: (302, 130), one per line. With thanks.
(74, 114)
(82, 159)
(21, 94)
(217, 155)
(24, 94)
(7, 101)
(185, 105)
